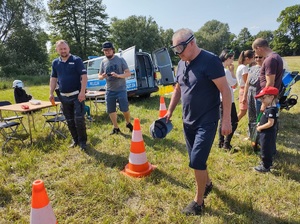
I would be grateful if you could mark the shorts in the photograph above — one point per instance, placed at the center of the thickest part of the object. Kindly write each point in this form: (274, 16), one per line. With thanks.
(242, 106)
(199, 142)
(111, 99)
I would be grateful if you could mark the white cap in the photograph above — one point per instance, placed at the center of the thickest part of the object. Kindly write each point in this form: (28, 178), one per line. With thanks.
(18, 83)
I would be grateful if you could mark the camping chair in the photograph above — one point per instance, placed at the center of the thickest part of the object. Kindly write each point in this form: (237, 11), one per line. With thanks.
(56, 124)
(12, 118)
(9, 126)
(56, 121)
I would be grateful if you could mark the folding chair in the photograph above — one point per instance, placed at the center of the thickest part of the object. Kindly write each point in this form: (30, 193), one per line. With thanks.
(56, 124)
(15, 116)
(9, 126)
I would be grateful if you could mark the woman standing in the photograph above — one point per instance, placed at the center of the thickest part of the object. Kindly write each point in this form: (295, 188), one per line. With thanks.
(245, 58)
(226, 57)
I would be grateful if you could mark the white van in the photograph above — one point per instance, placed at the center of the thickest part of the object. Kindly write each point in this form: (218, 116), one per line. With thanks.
(143, 80)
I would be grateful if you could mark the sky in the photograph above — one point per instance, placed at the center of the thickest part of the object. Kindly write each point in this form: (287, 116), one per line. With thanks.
(256, 15)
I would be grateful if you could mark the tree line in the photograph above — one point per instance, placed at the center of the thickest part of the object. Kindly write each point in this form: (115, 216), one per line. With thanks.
(84, 24)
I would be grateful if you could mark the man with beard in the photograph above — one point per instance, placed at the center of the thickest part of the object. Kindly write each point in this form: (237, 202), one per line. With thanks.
(69, 73)
(115, 70)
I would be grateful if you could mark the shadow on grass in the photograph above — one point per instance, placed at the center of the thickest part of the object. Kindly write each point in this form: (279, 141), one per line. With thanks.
(5, 196)
(243, 209)
(113, 161)
(159, 175)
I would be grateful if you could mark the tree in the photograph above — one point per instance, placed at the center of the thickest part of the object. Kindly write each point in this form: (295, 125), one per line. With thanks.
(136, 30)
(280, 43)
(23, 43)
(81, 23)
(17, 13)
(213, 36)
(290, 25)
(25, 53)
(265, 34)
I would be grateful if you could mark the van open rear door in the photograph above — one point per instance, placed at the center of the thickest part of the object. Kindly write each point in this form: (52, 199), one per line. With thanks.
(129, 57)
(163, 63)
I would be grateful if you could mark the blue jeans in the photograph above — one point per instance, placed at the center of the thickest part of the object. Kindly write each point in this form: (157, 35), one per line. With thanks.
(74, 113)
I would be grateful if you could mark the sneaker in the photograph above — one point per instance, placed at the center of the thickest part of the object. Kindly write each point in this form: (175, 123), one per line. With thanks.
(89, 118)
(115, 131)
(208, 189)
(193, 209)
(73, 145)
(129, 126)
(262, 169)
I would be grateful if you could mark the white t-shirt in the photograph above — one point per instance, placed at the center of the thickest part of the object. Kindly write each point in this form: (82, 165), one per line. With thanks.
(231, 82)
(240, 72)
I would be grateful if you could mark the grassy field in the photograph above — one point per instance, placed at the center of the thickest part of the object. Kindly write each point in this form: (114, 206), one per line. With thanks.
(87, 187)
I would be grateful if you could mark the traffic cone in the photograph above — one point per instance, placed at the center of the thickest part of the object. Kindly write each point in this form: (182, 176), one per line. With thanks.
(41, 210)
(138, 165)
(162, 107)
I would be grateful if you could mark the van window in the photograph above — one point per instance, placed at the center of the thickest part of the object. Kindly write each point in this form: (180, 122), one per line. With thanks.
(93, 66)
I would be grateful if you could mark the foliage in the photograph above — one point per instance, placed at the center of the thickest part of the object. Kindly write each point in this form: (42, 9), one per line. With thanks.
(265, 34)
(81, 23)
(213, 36)
(135, 30)
(17, 13)
(290, 25)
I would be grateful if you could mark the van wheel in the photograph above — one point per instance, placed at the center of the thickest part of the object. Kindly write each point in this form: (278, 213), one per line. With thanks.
(145, 95)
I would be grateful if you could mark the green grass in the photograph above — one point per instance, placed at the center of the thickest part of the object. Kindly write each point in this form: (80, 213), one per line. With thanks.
(89, 188)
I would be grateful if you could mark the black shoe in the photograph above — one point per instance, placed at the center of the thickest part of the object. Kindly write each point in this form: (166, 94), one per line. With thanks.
(227, 146)
(221, 144)
(129, 126)
(193, 209)
(262, 169)
(208, 189)
(73, 145)
(115, 131)
(83, 146)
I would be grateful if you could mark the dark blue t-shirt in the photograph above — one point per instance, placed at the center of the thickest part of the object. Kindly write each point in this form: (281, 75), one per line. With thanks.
(270, 112)
(200, 96)
(68, 73)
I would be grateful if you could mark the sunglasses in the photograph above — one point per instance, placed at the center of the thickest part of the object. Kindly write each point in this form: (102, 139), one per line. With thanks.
(260, 57)
(179, 48)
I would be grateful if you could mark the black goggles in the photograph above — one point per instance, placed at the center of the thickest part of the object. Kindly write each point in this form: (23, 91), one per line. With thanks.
(179, 48)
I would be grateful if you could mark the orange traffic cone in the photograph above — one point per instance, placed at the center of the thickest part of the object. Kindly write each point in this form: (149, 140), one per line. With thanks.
(138, 165)
(162, 107)
(41, 210)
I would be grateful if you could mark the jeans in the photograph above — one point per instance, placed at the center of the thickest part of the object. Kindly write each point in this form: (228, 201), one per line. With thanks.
(74, 113)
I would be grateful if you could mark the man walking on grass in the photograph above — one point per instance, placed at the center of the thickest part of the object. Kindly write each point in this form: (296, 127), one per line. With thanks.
(200, 79)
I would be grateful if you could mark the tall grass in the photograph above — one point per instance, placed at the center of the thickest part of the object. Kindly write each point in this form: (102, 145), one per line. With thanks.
(87, 187)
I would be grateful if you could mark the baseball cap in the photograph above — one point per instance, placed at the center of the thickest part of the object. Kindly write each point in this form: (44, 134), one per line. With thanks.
(107, 45)
(269, 90)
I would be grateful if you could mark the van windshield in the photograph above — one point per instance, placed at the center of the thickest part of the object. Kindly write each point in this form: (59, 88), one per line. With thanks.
(93, 66)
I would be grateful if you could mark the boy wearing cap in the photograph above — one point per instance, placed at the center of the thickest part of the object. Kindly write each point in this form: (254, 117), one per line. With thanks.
(115, 70)
(267, 127)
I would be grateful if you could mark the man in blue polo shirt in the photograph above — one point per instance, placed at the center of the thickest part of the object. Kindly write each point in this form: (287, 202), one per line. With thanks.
(69, 72)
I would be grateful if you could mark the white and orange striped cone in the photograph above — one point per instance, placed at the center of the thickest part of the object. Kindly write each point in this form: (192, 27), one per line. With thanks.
(41, 210)
(138, 165)
(162, 107)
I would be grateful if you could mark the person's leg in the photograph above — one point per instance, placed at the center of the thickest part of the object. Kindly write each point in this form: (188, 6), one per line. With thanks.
(68, 112)
(80, 122)
(241, 114)
(221, 137)
(201, 180)
(234, 124)
(113, 117)
(199, 143)
(243, 105)
(124, 107)
(111, 103)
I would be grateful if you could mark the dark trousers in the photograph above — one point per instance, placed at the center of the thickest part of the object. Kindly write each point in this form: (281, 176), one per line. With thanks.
(234, 123)
(268, 147)
(74, 113)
